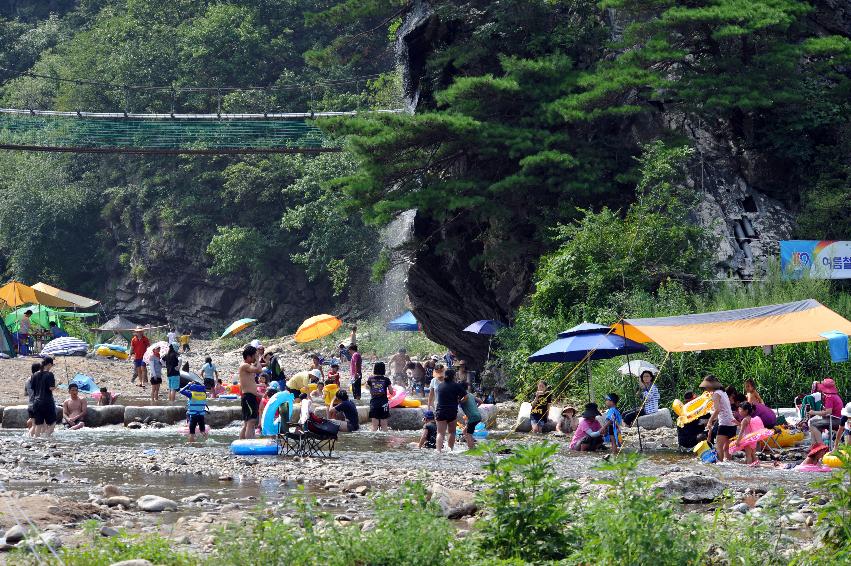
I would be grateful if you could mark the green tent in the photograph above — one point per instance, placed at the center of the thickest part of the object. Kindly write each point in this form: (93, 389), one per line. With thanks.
(42, 316)
(6, 344)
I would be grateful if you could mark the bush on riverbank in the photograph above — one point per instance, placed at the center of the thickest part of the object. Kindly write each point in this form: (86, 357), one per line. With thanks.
(529, 516)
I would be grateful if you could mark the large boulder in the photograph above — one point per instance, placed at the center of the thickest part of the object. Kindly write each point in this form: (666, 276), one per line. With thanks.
(220, 417)
(1, 413)
(453, 503)
(168, 414)
(16, 416)
(155, 504)
(406, 419)
(660, 419)
(524, 423)
(488, 413)
(691, 488)
(107, 415)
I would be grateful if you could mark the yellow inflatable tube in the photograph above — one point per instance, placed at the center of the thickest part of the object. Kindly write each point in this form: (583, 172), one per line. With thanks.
(693, 410)
(410, 403)
(786, 439)
(831, 461)
(105, 352)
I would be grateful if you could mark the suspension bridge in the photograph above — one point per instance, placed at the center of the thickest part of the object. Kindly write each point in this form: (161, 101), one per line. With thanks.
(101, 132)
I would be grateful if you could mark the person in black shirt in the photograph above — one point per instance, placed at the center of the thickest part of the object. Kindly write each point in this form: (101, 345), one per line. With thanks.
(44, 407)
(449, 394)
(380, 390)
(343, 412)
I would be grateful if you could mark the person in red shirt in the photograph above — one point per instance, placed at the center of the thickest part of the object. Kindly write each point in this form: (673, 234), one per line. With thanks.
(138, 345)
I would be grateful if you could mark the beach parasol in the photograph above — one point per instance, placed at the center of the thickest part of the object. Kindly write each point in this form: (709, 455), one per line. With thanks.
(637, 367)
(238, 326)
(163, 346)
(16, 294)
(65, 346)
(317, 327)
(485, 328)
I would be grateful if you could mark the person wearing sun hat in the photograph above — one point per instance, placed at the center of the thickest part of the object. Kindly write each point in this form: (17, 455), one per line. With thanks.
(813, 459)
(568, 421)
(722, 413)
(587, 436)
(829, 417)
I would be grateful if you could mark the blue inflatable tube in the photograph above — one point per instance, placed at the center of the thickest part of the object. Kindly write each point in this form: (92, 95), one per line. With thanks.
(269, 425)
(254, 447)
(480, 431)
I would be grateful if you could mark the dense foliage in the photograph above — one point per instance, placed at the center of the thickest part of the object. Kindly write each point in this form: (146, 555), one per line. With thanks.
(83, 221)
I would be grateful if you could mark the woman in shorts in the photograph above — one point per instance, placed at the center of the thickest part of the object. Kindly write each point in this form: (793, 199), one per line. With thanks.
(449, 395)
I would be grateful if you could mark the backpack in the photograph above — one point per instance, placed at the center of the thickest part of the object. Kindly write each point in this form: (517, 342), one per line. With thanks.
(324, 427)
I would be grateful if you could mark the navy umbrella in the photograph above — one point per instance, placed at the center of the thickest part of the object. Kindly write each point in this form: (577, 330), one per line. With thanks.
(485, 328)
(593, 340)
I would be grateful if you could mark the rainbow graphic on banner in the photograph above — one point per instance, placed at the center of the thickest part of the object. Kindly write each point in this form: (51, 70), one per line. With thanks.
(820, 259)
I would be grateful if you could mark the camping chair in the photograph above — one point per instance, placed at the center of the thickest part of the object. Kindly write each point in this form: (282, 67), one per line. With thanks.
(304, 443)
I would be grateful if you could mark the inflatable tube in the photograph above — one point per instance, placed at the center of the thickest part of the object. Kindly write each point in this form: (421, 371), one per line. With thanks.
(269, 425)
(254, 447)
(831, 461)
(480, 431)
(812, 468)
(235, 389)
(695, 409)
(398, 396)
(410, 403)
(785, 438)
(116, 347)
(677, 407)
(751, 439)
(191, 376)
(105, 352)
(228, 397)
(329, 391)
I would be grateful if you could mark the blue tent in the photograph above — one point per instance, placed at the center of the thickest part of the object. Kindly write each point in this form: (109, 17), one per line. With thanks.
(405, 323)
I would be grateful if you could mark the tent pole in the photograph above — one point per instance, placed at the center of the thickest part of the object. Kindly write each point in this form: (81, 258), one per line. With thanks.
(588, 372)
(629, 369)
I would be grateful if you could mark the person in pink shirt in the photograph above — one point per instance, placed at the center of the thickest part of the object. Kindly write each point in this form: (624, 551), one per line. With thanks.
(587, 436)
(828, 418)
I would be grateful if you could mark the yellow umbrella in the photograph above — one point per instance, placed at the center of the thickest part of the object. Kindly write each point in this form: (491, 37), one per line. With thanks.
(16, 294)
(317, 327)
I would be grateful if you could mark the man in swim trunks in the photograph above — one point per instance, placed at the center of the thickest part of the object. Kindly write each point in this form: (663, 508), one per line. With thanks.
(74, 408)
(248, 371)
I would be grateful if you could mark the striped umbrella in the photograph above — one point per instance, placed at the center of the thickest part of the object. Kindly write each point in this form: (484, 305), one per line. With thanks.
(238, 326)
(65, 346)
(163, 346)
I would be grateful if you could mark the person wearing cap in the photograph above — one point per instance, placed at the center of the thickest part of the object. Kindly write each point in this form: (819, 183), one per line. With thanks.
(428, 438)
(74, 408)
(587, 436)
(844, 432)
(343, 412)
(612, 428)
(139, 344)
(828, 418)
(722, 413)
(568, 422)
(300, 382)
(156, 375)
(649, 394)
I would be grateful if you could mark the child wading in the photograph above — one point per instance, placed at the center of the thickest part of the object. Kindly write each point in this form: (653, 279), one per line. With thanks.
(196, 407)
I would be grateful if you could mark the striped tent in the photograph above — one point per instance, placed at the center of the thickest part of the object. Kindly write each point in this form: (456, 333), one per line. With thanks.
(788, 323)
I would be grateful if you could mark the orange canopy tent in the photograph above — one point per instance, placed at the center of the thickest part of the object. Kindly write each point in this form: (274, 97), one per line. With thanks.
(789, 323)
(16, 294)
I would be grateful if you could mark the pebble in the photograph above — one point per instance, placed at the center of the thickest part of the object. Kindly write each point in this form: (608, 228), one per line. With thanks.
(741, 507)
(108, 531)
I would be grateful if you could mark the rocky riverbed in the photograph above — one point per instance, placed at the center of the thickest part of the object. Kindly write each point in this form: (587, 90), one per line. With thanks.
(150, 480)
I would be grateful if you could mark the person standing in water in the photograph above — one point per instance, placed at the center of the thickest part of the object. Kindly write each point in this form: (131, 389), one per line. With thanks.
(248, 386)
(156, 375)
(139, 344)
(380, 391)
(44, 406)
(196, 407)
(74, 408)
(356, 370)
(449, 395)
(172, 371)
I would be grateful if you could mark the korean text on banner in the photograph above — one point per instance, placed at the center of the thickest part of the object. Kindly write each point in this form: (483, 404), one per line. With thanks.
(820, 259)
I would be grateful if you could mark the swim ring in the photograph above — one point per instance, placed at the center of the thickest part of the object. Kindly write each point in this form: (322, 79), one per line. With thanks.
(750, 439)
(254, 447)
(235, 389)
(227, 396)
(269, 424)
(410, 403)
(398, 396)
(785, 438)
(329, 391)
(812, 468)
(694, 409)
(831, 461)
(107, 352)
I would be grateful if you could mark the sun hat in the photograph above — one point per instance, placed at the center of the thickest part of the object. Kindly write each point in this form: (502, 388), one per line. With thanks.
(710, 382)
(255, 343)
(828, 386)
(591, 411)
(569, 408)
(435, 358)
(817, 449)
(316, 373)
(846, 411)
